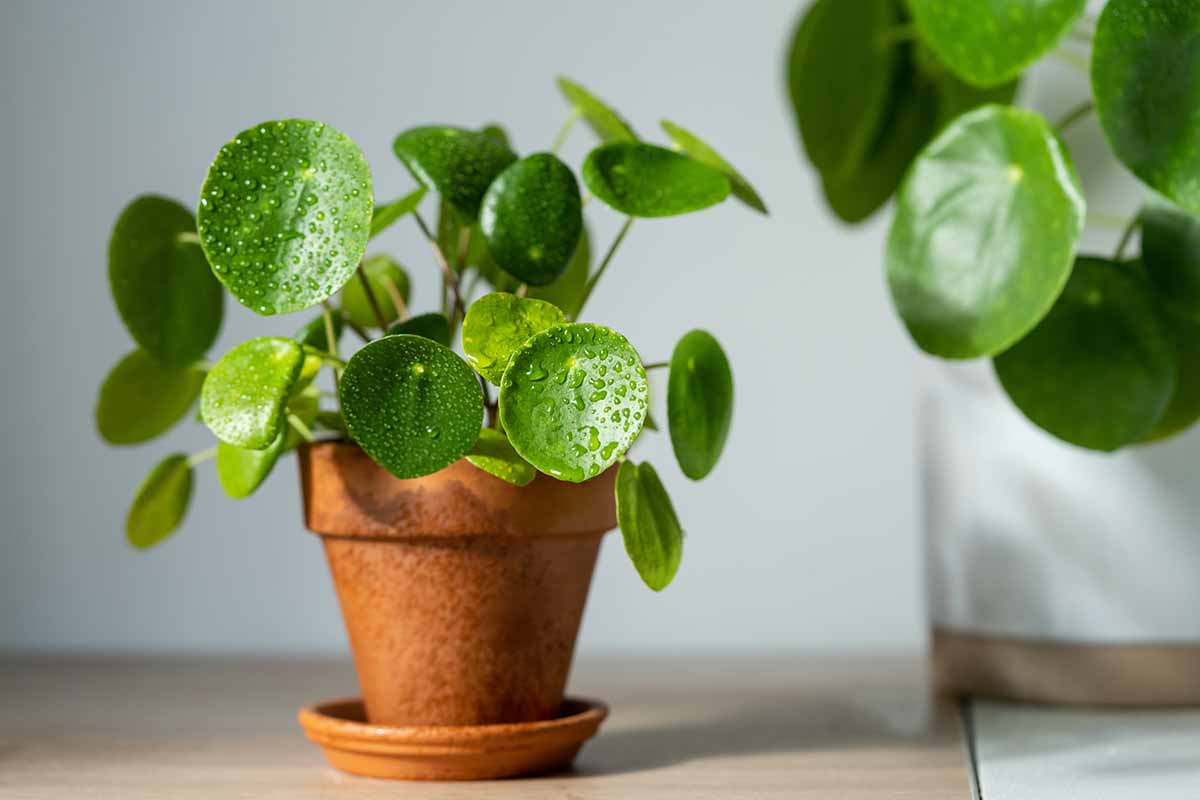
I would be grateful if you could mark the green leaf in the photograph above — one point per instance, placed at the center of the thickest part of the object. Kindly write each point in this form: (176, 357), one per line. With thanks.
(285, 214)
(244, 396)
(242, 470)
(456, 163)
(653, 538)
(985, 232)
(1171, 253)
(498, 324)
(433, 326)
(314, 335)
(161, 284)
(698, 149)
(497, 134)
(645, 180)
(840, 69)
(573, 399)
(987, 43)
(532, 217)
(1099, 370)
(567, 291)
(699, 402)
(1183, 409)
(606, 123)
(383, 216)
(412, 404)
(494, 455)
(160, 503)
(388, 282)
(1146, 84)
(141, 399)
(449, 234)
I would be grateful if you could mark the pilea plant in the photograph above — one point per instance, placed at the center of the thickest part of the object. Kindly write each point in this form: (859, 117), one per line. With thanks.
(913, 98)
(284, 220)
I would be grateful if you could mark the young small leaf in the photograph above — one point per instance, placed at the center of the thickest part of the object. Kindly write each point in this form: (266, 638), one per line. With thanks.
(244, 396)
(285, 214)
(532, 216)
(653, 537)
(383, 216)
(497, 324)
(433, 326)
(387, 280)
(161, 284)
(456, 163)
(160, 503)
(412, 404)
(141, 399)
(645, 180)
(1099, 370)
(314, 334)
(494, 455)
(606, 123)
(242, 470)
(985, 232)
(573, 399)
(699, 402)
(698, 149)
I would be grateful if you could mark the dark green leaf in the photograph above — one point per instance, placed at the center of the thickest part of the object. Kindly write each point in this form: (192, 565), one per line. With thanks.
(433, 326)
(698, 149)
(161, 284)
(412, 404)
(497, 134)
(1099, 370)
(653, 538)
(606, 123)
(1183, 409)
(242, 470)
(699, 402)
(285, 214)
(314, 334)
(494, 455)
(389, 284)
(456, 163)
(573, 399)
(141, 399)
(385, 215)
(567, 291)
(987, 43)
(532, 217)
(645, 180)
(985, 233)
(160, 503)
(497, 324)
(244, 396)
(1171, 253)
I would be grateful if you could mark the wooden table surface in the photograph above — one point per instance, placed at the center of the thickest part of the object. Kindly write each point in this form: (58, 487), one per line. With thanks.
(689, 728)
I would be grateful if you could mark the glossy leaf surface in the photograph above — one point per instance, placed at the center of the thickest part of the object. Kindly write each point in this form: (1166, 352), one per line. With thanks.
(457, 163)
(498, 324)
(493, 454)
(161, 502)
(645, 180)
(651, 531)
(433, 326)
(244, 396)
(606, 123)
(141, 399)
(699, 402)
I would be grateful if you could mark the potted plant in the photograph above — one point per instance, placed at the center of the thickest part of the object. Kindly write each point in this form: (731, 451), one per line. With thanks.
(461, 501)
(1062, 553)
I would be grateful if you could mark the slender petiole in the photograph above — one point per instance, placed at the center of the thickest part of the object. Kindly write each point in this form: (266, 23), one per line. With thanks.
(561, 137)
(300, 428)
(592, 281)
(451, 280)
(1126, 237)
(1074, 115)
(204, 455)
(656, 365)
(376, 309)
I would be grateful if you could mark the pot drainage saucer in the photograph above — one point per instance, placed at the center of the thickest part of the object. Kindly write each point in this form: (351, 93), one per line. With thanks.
(449, 752)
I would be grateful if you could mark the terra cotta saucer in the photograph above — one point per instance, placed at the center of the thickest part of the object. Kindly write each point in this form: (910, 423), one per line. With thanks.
(449, 752)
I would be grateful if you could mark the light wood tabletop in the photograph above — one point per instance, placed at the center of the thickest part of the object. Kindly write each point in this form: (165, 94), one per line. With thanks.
(690, 728)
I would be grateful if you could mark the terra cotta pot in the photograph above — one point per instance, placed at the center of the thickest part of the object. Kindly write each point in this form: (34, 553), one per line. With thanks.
(462, 594)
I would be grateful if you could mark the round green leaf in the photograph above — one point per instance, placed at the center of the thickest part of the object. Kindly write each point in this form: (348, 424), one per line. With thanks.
(573, 399)
(987, 43)
(387, 280)
(840, 70)
(497, 324)
(141, 399)
(285, 214)
(606, 123)
(433, 326)
(315, 335)
(242, 470)
(699, 402)
(494, 455)
(532, 217)
(698, 149)
(383, 216)
(412, 404)
(1146, 83)
(567, 291)
(456, 163)
(160, 503)
(1183, 409)
(1171, 253)
(244, 396)
(985, 232)
(1099, 370)
(645, 180)
(161, 283)
(653, 537)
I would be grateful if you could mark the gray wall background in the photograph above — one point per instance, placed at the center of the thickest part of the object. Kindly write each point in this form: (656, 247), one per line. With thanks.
(805, 537)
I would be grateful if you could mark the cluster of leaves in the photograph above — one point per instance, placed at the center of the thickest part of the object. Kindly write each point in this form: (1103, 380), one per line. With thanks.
(284, 220)
(982, 256)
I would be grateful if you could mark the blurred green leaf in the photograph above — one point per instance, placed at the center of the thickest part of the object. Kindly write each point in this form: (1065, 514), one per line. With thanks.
(433, 326)
(141, 399)
(494, 455)
(161, 502)
(653, 537)
(567, 291)
(388, 282)
(1171, 254)
(383, 216)
(645, 180)
(698, 149)
(242, 470)
(606, 123)
(314, 335)
(699, 402)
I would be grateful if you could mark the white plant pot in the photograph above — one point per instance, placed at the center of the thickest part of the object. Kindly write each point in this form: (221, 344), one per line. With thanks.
(1056, 574)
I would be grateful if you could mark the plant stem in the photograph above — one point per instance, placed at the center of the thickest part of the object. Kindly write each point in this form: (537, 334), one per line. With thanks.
(592, 281)
(1126, 236)
(331, 341)
(561, 137)
(448, 275)
(898, 33)
(656, 365)
(1074, 59)
(204, 455)
(187, 237)
(351, 324)
(301, 428)
(397, 299)
(376, 309)
(1074, 115)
